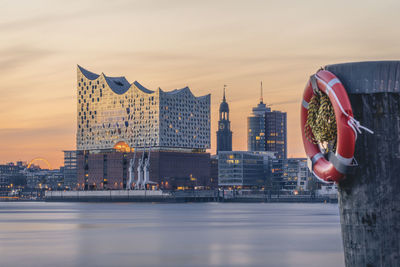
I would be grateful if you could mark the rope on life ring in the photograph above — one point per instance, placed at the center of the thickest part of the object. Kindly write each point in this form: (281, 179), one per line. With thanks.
(321, 123)
(329, 129)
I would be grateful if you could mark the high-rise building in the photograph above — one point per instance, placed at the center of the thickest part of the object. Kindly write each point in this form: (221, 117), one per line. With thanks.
(256, 128)
(276, 133)
(267, 130)
(224, 133)
(70, 169)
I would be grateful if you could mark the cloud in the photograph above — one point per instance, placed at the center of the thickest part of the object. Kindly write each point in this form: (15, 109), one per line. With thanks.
(292, 101)
(32, 133)
(47, 18)
(20, 55)
(77, 11)
(27, 22)
(27, 143)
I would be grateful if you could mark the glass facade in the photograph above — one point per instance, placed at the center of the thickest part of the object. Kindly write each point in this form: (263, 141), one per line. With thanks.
(256, 128)
(242, 168)
(267, 131)
(256, 133)
(70, 169)
(111, 110)
(277, 174)
(276, 134)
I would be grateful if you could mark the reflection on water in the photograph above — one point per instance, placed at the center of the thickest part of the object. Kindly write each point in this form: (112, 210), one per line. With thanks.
(145, 234)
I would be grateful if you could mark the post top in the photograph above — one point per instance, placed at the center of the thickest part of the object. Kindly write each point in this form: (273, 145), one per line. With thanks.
(368, 77)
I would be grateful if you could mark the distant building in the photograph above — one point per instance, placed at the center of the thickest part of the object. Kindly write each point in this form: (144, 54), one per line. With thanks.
(224, 133)
(214, 171)
(276, 133)
(70, 169)
(166, 134)
(290, 174)
(11, 176)
(243, 169)
(276, 181)
(39, 179)
(54, 179)
(19, 177)
(304, 175)
(296, 174)
(256, 128)
(267, 130)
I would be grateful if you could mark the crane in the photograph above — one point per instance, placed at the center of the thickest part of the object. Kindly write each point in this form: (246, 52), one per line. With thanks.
(131, 171)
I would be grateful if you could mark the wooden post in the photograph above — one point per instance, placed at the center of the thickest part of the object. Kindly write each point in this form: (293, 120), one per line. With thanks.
(369, 199)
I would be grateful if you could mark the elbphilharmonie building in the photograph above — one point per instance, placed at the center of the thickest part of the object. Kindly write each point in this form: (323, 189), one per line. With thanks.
(131, 137)
(111, 110)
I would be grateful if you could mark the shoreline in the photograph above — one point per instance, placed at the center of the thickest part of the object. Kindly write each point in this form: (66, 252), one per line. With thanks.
(175, 197)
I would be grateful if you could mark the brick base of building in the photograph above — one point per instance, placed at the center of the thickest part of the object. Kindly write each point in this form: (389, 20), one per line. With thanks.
(168, 170)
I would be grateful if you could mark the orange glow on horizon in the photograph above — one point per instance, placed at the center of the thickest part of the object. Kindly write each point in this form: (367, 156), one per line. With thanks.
(203, 45)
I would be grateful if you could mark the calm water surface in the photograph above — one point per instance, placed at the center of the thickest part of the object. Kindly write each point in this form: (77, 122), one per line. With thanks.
(145, 234)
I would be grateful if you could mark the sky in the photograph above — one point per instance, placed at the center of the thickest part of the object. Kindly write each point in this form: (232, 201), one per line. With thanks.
(172, 44)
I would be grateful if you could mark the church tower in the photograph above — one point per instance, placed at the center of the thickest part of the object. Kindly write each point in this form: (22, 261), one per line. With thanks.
(224, 133)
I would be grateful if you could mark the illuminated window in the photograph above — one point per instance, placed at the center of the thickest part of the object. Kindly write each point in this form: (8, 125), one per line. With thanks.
(122, 147)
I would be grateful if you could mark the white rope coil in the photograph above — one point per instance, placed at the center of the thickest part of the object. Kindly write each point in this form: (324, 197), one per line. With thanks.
(353, 123)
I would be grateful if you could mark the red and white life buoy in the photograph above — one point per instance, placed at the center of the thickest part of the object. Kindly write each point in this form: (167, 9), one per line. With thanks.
(331, 167)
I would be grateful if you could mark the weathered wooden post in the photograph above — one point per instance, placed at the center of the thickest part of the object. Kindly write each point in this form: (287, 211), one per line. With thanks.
(369, 199)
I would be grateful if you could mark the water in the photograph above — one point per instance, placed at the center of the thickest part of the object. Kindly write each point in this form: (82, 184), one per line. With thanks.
(145, 234)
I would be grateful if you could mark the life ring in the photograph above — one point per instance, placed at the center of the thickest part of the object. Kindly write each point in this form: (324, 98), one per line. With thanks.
(331, 167)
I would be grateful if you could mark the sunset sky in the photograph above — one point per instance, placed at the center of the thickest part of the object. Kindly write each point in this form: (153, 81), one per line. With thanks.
(173, 44)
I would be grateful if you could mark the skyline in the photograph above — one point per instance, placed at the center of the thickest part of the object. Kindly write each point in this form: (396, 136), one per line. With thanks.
(172, 45)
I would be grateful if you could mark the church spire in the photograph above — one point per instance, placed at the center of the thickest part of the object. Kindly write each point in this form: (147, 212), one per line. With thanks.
(224, 133)
(224, 99)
